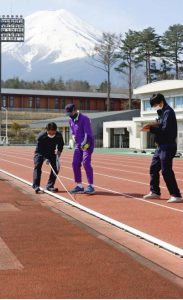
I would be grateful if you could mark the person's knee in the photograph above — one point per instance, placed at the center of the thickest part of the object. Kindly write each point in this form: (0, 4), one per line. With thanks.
(55, 169)
(76, 165)
(87, 164)
(153, 170)
(38, 166)
(167, 173)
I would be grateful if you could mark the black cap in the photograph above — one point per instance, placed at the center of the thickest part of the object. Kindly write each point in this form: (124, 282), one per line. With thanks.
(70, 108)
(156, 99)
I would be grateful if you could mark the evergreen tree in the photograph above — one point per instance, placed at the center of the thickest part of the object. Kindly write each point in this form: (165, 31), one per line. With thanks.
(103, 87)
(148, 47)
(173, 42)
(129, 59)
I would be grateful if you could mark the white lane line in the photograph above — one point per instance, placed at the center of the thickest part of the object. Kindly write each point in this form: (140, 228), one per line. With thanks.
(102, 174)
(8, 260)
(134, 164)
(95, 173)
(149, 238)
(108, 190)
(130, 197)
(98, 161)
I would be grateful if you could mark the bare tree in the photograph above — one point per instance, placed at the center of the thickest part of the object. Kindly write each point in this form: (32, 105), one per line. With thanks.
(105, 57)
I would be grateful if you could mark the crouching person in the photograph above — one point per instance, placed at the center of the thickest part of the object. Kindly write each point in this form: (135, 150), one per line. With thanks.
(49, 147)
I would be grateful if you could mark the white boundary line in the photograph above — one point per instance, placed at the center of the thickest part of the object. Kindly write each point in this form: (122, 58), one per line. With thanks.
(166, 246)
(102, 166)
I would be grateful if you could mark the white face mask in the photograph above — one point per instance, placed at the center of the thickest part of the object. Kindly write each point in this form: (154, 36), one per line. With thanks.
(157, 107)
(51, 136)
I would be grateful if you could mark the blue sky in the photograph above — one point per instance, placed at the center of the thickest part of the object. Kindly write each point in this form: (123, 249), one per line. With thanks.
(108, 15)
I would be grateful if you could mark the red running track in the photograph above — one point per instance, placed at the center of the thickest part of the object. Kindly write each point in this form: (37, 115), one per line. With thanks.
(120, 183)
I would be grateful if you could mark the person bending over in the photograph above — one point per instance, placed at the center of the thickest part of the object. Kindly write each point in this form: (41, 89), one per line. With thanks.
(49, 147)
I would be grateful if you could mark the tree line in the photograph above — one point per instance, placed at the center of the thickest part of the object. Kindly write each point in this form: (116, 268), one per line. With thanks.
(159, 56)
(51, 84)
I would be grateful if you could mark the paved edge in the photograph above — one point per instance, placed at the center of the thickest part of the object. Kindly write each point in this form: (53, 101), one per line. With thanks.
(8, 260)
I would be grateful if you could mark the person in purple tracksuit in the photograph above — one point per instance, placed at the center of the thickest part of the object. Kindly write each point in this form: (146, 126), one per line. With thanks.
(81, 129)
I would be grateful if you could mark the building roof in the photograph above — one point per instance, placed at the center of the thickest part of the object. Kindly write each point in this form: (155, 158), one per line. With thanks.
(62, 93)
(159, 86)
(64, 121)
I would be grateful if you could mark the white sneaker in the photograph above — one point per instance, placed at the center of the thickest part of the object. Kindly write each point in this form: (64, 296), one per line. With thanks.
(174, 199)
(151, 195)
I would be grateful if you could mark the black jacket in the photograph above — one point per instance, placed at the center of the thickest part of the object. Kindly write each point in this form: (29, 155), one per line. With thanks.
(166, 133)
(46, 146)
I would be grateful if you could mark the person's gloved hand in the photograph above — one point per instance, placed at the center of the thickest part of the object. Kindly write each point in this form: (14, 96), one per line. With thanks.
(73, 137)
(85, 146)
(47, 162)
(57, 153)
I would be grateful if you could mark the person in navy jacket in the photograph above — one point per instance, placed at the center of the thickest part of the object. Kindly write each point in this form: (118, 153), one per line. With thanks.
(165, 131)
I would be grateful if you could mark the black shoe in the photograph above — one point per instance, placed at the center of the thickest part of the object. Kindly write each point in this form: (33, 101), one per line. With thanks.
(52, 189)
(38, 191)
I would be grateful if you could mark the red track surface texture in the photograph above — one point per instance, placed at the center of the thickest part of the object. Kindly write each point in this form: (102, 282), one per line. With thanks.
(47, 256)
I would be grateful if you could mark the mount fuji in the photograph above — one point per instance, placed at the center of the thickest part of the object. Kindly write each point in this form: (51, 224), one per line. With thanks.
(56, 45)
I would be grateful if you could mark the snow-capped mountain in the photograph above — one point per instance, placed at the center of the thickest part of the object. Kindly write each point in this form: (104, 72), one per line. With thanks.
(56, 44)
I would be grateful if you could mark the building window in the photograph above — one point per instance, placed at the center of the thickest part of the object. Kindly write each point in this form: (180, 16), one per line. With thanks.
(11, 101)
(63, 103)
(81, 105)
(30, 102)
(170, 101)
(87, 104)
(3, 101)
(111, 104)
(56, 103)
(37, 102)
(179, 102)
(146, 105)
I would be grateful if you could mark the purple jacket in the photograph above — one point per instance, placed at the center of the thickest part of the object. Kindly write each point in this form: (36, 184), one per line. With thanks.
(82, 130)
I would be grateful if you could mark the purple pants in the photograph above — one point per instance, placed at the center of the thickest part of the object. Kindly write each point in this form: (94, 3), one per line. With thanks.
(85, 157)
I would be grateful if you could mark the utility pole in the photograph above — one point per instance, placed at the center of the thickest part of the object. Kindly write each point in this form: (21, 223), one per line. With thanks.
(0, 84)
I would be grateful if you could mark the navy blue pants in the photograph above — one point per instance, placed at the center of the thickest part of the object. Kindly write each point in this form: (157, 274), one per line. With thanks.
(163, 160)
(38, 162)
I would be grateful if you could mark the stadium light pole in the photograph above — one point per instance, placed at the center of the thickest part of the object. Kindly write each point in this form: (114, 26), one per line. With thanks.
(4, 108)
(11, 30)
